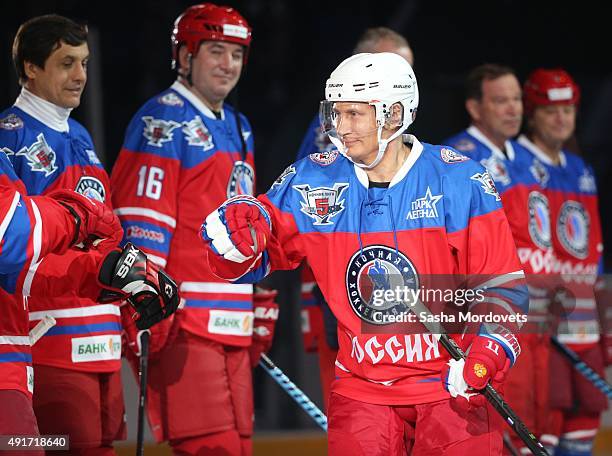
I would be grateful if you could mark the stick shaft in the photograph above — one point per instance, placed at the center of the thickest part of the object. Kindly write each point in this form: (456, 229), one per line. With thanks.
(142, 396)
(296, 394)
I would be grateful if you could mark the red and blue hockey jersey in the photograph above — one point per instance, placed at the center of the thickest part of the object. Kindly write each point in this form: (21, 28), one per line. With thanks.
(519, 178)
(440, 215)
(50, 151)
(179, 162)
(577, 241)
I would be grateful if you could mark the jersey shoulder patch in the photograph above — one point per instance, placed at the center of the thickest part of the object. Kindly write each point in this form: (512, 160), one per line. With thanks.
(11, 122)
(170, 99)
(452, 156)
(325, 158)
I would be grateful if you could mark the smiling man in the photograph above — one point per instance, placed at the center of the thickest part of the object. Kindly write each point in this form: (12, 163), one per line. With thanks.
(348, 214)
(78, 391)
(186, 151)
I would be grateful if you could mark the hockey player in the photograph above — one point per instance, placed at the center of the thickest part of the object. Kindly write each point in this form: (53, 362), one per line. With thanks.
(318, 323)
(81, 355)
(494, 103)
(381, 211)
(551, 99)
(35, 228)
(185, 152)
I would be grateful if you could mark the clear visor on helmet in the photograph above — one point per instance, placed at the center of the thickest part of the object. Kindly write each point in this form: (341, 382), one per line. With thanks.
(341, 117)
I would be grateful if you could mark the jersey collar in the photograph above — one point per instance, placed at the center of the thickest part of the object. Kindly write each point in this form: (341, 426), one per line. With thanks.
(479, 135)
(415, 153)
(539, 153)
(179, 87)
(52, 115)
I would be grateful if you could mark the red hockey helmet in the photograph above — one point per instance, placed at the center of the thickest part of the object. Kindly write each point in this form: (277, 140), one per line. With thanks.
(209, 22)
(547, 87)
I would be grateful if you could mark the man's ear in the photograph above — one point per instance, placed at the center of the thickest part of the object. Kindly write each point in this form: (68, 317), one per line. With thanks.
(31, 69)
(184, 60)
(472, 106)
(395, 119)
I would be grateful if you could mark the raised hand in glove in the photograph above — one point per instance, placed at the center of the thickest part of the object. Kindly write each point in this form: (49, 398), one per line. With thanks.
(93, 219)
(128, 274)
(266, 314)
(235, 236)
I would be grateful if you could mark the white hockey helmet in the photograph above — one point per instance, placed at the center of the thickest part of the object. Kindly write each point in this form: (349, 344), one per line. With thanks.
(381, 80)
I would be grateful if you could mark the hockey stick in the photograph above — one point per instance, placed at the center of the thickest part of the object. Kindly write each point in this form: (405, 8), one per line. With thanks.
(494, 398)
(582, 367)
(142, 396)
(292, 390)
(41, 328)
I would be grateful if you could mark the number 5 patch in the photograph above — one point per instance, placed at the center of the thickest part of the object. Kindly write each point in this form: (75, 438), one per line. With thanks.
(322, 203)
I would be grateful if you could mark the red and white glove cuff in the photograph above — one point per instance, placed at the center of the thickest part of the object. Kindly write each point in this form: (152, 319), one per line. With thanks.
(506, 339)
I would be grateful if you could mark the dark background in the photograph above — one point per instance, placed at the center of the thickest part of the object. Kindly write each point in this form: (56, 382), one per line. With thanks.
(295, 47)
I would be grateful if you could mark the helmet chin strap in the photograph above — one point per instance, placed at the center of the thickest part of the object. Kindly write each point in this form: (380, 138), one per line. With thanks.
(382, 147)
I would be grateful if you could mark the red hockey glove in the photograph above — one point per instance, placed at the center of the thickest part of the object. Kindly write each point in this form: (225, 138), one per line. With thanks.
(128, 274)
(94, 220)
(486, 361)
(235, 236)
(162, 333)
(266, 314)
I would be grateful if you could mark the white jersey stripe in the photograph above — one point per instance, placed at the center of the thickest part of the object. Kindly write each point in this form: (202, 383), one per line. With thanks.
(36, 245)
(90, 311)
(9, 215)
(504, 278)
(145, 212)
(215, 287)
(14, 340)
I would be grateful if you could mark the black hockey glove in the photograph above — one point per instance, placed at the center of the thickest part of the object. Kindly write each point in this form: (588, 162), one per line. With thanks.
(128, 274)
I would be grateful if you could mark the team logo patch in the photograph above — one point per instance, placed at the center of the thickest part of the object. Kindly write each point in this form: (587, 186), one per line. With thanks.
(539, 220)
(241, 180)
(487, 184)
(497, 169)
(539, 172)
(289, 170)
(450, 156)
(586, 182)
(91, 187)
(40, 156)
(11, 122)
(324, 158)
(465, 145)
(322, 203)
(158, 131)
(573, 229)
(370, 272)
(424, 207)
(93, 158)
(197, 134)
(170, 99)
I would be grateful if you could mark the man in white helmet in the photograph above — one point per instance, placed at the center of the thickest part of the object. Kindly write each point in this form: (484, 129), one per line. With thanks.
(384, 213)
(319, 327)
